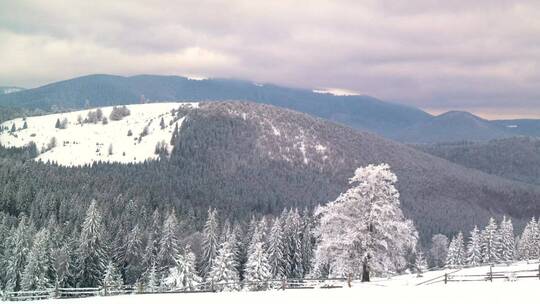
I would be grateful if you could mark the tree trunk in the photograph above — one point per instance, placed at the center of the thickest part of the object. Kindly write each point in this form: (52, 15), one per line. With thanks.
(365, 272)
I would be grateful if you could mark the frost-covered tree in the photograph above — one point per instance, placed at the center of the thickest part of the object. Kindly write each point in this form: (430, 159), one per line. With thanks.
(308, 242)
(18, 244)
(168, 245)
(209, 242)
(152, 280)
(258, 269)
(223, 275)
(275, 250)
(38, 269)
(438, 250)
(91, 261)
(364, 229)
(112, 280)
(474, 248)
(456, 252)
(420, 263)
(528, 244)
(184, 275)
(507, 236)
(293, 250)
(491, 243)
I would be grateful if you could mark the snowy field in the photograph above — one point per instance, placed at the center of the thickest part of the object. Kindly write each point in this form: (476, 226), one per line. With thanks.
(398, 289)
(80, 144)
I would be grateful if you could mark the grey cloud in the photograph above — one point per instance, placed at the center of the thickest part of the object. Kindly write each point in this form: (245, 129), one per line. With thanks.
(428, 53)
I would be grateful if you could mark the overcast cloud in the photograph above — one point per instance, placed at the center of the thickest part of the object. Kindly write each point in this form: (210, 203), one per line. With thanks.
(481, 55)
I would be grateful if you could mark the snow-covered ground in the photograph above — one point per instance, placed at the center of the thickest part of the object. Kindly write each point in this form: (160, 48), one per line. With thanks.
(83, 144)
(398, 289)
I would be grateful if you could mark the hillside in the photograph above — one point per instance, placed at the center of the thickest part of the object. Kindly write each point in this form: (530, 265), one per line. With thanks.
(105, 139)
(361, 112)
(515, 158)
(243, 158)
(9, 90)
(453, 126)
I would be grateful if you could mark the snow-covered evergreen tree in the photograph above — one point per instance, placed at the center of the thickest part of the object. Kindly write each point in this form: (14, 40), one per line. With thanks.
(223, 275)
(420, 263)
(275, 250)
(474, 248)
(293, 234)
(17, 248)
(508, 244)
(364, 229)
(308, 242)
(91, 261)
(438, 250)
(528, 244)
(456, 256)
(210, 242)
(112, 279)
(152, 279)
(258, 269)
(184, 275)
(491, 243)
(37, 273)
(168, 245)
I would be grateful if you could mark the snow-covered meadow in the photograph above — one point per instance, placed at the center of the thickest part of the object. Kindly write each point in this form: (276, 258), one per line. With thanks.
(397, 289)
(80, 144)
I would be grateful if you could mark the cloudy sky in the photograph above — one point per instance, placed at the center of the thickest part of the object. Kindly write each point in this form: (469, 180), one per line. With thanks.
(481, 55)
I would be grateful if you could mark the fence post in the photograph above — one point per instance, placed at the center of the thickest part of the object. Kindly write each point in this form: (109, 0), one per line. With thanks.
(283, 284)
(491, 273)
(349, 280)
(56, 291)
(445, 278)
(539, 271)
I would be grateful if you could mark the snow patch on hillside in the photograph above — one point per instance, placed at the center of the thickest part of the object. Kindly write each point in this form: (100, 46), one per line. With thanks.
(336, 92)
(81, 144)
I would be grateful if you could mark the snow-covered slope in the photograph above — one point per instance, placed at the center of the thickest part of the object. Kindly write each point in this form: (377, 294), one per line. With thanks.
(80, 144)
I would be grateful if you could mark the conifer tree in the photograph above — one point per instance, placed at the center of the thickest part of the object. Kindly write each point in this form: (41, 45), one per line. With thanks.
(474, 248)
(112, 280)
(508, 244)
(276, 250)
(490, 243)
(223, 275)
(420, 263)
(91, 260)
(209, 242)
(257, 268)
(168, 246)
(152, 281)
(36, 275)
(184, 275)
(18, 245)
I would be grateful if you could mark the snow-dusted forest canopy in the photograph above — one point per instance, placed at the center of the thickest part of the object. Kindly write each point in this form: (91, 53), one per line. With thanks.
(363, 231)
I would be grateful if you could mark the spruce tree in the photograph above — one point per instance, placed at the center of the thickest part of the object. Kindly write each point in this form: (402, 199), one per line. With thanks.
(258, 269)
(223, 275)
(184, 275)
(491, 243)
(17, 247)
(168, 246)
(508, 244)
(275, 250)
(112, 279)
(91, 261)
(209, 242)
(420, 263)
(37, 272)
(474, 248)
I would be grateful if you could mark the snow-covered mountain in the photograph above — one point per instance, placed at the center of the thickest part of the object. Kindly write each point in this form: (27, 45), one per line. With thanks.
(8, 90)
(72, 139)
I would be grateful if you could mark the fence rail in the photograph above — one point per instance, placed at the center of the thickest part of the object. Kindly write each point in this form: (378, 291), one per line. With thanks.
(62, 293)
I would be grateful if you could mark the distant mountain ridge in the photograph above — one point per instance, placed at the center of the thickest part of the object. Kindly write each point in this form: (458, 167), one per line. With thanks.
(394, 121)
(516, 158)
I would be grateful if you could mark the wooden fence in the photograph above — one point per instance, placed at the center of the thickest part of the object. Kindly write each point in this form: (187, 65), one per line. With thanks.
(63, 293)
(490, 276)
